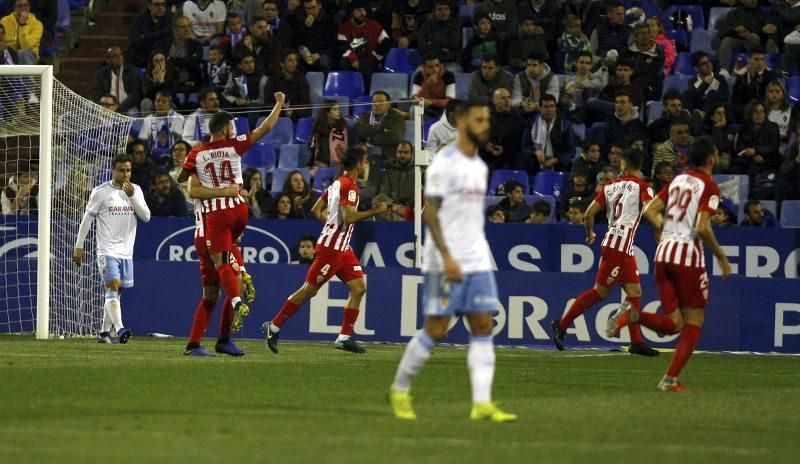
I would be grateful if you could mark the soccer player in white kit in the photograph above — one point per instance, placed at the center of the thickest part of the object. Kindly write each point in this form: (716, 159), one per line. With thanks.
(457, 267)
(115, 204)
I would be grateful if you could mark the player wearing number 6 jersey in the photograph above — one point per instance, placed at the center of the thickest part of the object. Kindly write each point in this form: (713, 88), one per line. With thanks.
(690, 201)
(337, 208)
(623, 200)
(218, 164)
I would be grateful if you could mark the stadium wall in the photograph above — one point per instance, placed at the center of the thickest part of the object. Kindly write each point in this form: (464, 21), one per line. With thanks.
(757, 310)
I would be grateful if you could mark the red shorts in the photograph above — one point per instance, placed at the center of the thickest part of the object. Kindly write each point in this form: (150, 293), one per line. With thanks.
(224, 226)
(328, 263)
(208, 271)
(681, 286)
(615, 268)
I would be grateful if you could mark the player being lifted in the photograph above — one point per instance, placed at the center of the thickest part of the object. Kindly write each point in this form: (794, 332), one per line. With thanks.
(623, 200)
(218, 164)
(680, 267)
(337, 208)
(113, 204)
(457, 267)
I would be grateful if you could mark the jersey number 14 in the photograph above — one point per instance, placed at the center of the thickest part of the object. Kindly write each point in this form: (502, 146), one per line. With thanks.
(225, 174)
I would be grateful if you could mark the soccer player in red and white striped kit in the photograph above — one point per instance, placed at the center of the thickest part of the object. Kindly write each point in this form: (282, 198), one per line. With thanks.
(623, 200)
(688, 204)
(337, 208)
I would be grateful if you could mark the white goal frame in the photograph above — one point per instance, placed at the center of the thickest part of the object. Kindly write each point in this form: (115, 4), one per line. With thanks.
(45, 73)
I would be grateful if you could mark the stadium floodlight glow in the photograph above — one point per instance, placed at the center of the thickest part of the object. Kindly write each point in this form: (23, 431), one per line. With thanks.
(73, 141)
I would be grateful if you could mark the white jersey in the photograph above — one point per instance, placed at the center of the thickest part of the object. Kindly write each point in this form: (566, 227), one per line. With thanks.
(204, 21)
(688, 195)
(623, 200)
(218, 165)
(460, 182)
(116, 219)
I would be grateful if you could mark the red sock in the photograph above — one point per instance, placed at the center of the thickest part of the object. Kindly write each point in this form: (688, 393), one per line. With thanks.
(584, 301)
(237, 255)
(349, 320)
(633, 329)
(287, 310)
(202, 316)
(225, 320)
(658, 322)
(689, 337)
(227, 277)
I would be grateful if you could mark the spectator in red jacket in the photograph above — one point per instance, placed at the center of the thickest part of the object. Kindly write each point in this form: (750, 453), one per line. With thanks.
(363, 41)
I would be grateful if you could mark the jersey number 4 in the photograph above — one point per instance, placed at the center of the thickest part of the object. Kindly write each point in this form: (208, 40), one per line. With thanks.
(225, 174)
(679, 199)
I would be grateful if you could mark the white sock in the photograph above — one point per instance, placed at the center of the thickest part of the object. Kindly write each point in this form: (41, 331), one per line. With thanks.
(481, 368)
(417, 352)
(342, 338)
(106, 327)
(114, 309)
(235, 300)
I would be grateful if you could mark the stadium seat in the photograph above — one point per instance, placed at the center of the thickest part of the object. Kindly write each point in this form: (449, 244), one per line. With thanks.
(344, 104)
(466, 35)
(395, 84)
(736, 187)
(580, 131)
(695, 11)
(282, 133)
(303, 132)
(680, 38)
(701, 41)
(716, 15)
(324, 178)
(260, 155)
(500, 176)
(63, 20)
(426, 127)
(531, 199)
(492, 200)
(136, 126)
(596, 131)
(344, 84)
(77, 4)
(242, 126)
(465, 15)
(793, 88)
(402, 60)
(770, 205)
(462, 86)
(280, 175)
(675, 82)
(362, 107)
(654, 110)
(549, 183)
(409, 135)
(289, 156)
(193, 99)
(683, 65)
(790, 213)
(557, 61)
(316, 83)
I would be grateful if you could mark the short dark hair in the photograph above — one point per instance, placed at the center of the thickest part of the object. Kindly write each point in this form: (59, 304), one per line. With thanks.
(121, 158)
(134, 143)
(587, 144)
(547, 97)
(579, 172)
(465, 106)
(108, 95)
(510, 185)
(586, 53)
(490, 57)
(701, 149)
(623, 93)
(164, 93)
(478, 17)
(384, 93)
(286, 52)
(453, 105)
(351, 157)
(430, 56)
(203, 93)
(633, 158)
(697, 56)
(758, 49)
(542, 207)
(159, 175)
(493, 209)
(185, 144)
(626, 62)
(304, 237)
(406, 142)
(570, 20)
(442, 2)
(642, 25)
(232, 15)
(536, 56)
(681, 120)
(219, 121)
(671, 95)
(613, 4)
(255, 19)
(216, 48)
(749, 204)
(242, 56)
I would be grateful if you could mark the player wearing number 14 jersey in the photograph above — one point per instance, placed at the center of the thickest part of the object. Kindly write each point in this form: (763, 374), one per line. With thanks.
(624, 200)
(690, 201)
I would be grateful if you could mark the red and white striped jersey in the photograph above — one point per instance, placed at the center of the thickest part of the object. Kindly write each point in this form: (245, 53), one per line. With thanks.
(623, 200)
(336, 235)
(219, 164)
(688, 195)
(199, 220)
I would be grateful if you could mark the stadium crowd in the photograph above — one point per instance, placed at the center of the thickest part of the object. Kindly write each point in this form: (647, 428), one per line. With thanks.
(570, 83)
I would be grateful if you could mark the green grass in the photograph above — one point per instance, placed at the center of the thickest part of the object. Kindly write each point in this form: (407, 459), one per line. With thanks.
(77, 401)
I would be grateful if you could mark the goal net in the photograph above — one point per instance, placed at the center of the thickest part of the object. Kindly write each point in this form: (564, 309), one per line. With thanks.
(55, 146)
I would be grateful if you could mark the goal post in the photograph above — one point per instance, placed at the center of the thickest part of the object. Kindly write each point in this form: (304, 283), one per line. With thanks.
(421, 160)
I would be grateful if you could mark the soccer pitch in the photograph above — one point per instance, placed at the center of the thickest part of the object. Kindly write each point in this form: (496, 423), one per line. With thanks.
(77, 401)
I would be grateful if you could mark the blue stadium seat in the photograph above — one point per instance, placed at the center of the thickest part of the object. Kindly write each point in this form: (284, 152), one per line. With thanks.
(395, 84)
(193, 99)
(793, 88)
(77, 4)
(280, 175)
(654, 110)
(773, 59)
(500, 176)
(790, 213)
(345, 84)
(289, 156)
(683, 65)
(303, 132)
(409, 135)
(465, 15)
(324, 178)
(63, 20)
(402, 60)
(596, 131)
(716, 15)
(426, 127)
(695, 11)
(492, 200)
(344, 104)
(676, 82)
(242, 126)
(545, 183)
(580, 131)
(557, 61)
(466, 35)
(316, 83)
(680, 38)
(282, 133)
(462, 86)
(701, 41)
(531, 199)
(736, 187)
(260, 155)
(362, 108)
(770, 205)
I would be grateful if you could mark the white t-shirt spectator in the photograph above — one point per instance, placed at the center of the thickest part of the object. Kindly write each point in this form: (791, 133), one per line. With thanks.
(204, 21)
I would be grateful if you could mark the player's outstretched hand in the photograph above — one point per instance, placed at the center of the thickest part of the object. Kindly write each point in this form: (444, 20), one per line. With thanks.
(77, 256)
(451, 269)
(128, 188)
(590, 238)
(280, 97)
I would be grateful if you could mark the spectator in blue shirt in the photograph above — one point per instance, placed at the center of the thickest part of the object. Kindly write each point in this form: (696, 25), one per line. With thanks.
(756, 216)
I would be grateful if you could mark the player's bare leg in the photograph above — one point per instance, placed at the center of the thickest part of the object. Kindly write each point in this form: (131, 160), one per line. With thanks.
(113, 312)
(202, 317)
(690, 323)
(481, 362)
(292, 304)
(581, 304)
(344, 341)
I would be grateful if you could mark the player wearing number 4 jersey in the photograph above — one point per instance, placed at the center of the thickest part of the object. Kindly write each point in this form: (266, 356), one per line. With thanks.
(623, 199)
(218, 165)
(690, 201)
(333, 257)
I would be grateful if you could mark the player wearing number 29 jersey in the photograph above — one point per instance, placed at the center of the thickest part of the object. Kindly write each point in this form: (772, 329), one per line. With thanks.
(624, 200)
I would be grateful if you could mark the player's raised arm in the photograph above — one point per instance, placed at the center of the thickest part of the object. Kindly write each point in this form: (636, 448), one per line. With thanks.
(591, 212)
(271, 120)
(198, 191)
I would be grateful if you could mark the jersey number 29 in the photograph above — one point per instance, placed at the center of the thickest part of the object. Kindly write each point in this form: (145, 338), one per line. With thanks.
(679, 199)
(225, 175)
